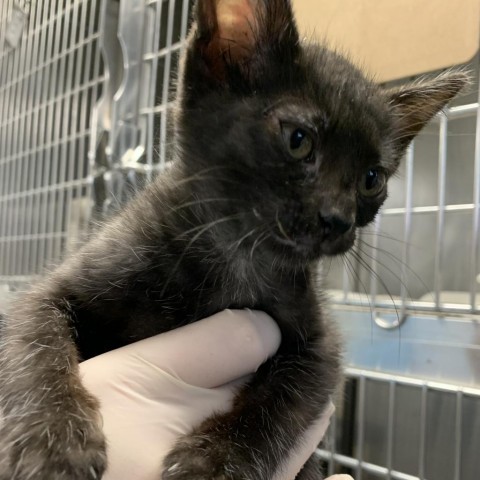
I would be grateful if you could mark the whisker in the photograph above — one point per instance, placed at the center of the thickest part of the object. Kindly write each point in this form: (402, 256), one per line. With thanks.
(204, 227)
(355, 275)
(200, 201)
(400, 262)
(392, 272)
(369, 269)
(384, 235)
(351, 270)
(236, 245)
(201, 230)
(259, 240)
(281, 229)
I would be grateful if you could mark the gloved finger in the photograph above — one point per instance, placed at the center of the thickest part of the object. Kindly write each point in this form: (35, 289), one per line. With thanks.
(142, 429)
(216, 350)
(208, 353)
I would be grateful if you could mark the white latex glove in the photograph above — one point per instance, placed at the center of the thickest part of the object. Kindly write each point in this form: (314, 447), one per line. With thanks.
(153, 391)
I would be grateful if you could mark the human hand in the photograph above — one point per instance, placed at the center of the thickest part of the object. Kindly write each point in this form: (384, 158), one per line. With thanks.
(156, 390)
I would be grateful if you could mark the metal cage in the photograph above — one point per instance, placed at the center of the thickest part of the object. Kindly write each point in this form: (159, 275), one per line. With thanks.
(49, 84)
(85, 91)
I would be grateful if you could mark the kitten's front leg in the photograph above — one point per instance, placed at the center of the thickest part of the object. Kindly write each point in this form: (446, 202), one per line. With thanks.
(270, 415)
(51, 427)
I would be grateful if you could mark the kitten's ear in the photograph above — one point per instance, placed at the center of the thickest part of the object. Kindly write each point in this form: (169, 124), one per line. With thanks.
(413, 106)
(236, 35)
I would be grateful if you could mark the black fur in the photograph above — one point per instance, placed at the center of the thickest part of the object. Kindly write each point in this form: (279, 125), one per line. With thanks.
(236, 221)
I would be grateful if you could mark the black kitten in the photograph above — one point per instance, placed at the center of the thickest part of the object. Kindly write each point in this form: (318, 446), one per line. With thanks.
(283, 150)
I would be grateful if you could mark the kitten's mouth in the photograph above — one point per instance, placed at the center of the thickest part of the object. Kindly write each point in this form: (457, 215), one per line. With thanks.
(315, 244)
(312, 247)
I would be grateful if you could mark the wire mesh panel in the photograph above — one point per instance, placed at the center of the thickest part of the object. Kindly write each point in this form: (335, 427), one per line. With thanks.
(166, 31)
(50, 78)
(399, 428)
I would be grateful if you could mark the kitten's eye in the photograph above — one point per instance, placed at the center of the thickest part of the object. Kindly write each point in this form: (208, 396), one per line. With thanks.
(372, 182)
(298, 141)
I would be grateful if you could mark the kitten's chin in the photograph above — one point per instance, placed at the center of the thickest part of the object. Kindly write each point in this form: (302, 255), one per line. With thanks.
(331, 249)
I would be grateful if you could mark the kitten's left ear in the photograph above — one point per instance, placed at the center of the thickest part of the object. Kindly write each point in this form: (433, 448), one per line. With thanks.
(415, 105)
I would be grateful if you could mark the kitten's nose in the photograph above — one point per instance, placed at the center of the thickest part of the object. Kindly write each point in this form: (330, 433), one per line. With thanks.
(335, 225)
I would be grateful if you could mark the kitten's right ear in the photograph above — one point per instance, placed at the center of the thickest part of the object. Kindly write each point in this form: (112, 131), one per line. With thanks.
(413, 106)
(236, 37)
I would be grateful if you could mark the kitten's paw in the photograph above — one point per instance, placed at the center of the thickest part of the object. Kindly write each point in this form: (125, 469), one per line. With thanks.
(71, 449)
(200, 457)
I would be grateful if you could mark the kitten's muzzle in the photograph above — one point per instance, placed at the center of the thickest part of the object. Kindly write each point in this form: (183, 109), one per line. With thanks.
(337, 234)
(334, 226)
(326, 231)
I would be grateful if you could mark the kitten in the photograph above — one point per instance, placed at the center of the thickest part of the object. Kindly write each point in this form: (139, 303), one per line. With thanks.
(283, 150)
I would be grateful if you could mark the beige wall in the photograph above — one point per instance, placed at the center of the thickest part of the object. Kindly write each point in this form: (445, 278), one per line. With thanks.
(396, 38)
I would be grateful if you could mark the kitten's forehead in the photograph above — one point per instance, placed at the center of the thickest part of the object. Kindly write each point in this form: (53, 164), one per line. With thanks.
(338, 85)
(349, 101)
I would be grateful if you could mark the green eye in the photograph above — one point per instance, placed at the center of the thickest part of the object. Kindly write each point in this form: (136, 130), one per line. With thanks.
(372, 182)
(298, 142)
